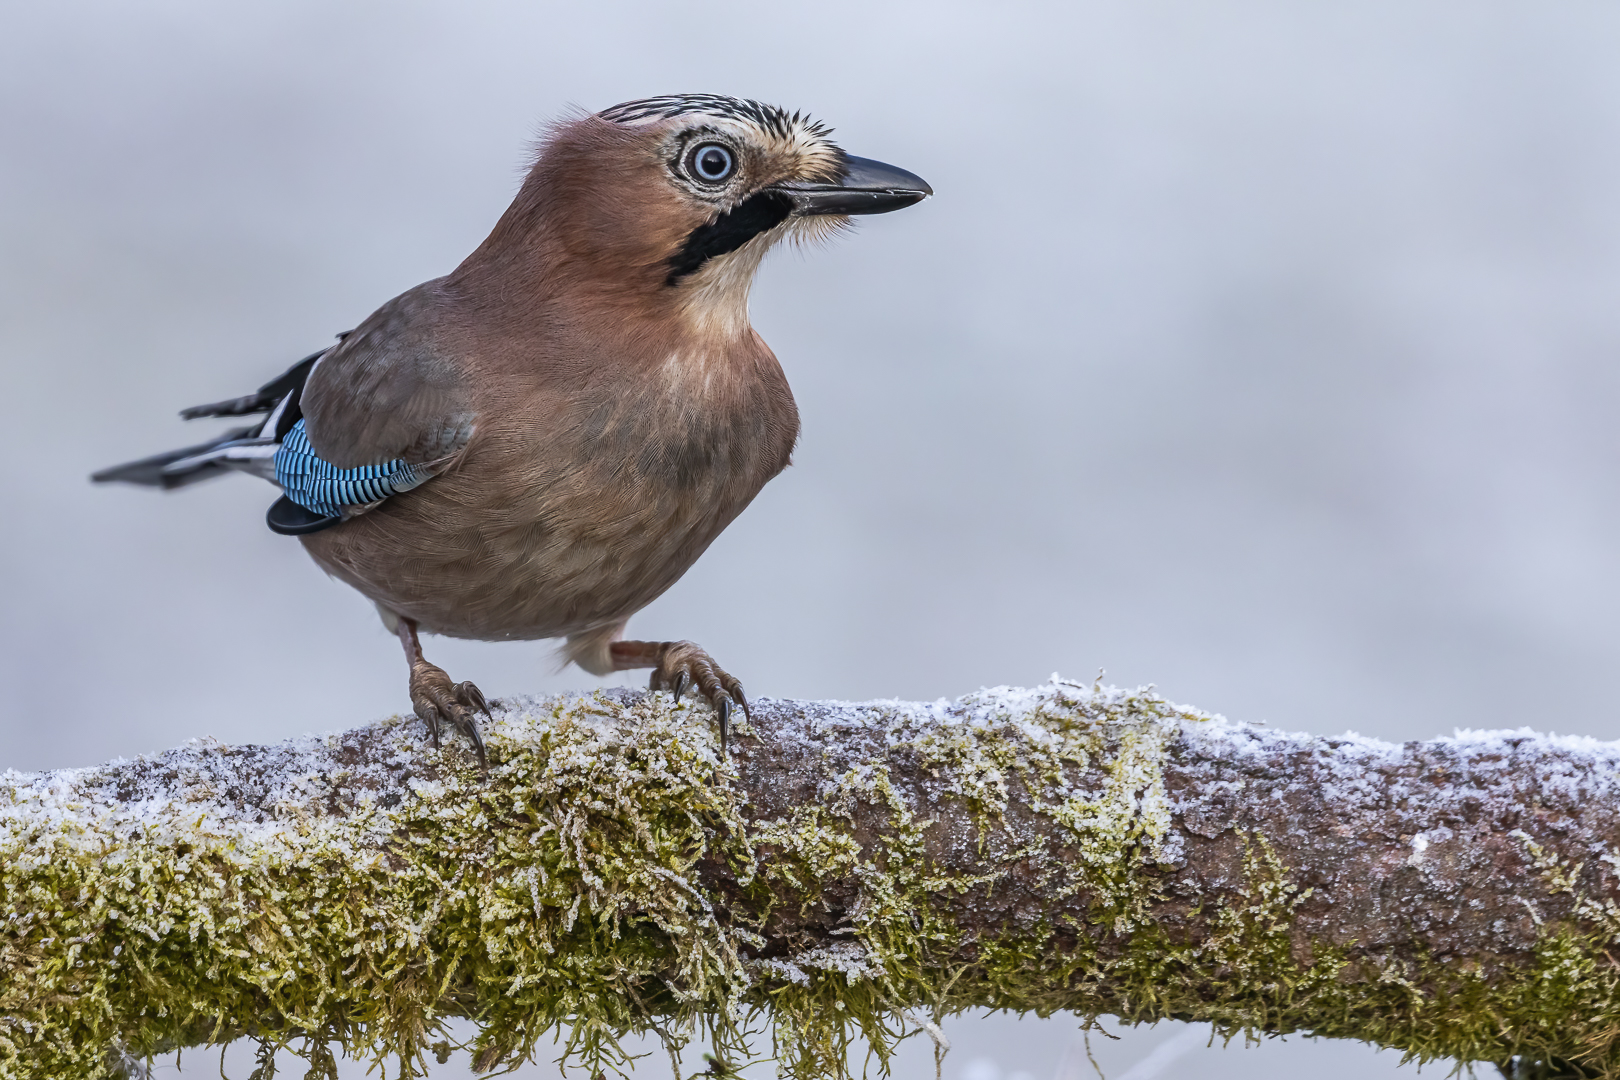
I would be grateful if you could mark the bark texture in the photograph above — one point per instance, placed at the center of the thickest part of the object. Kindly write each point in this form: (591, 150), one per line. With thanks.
(854, 871)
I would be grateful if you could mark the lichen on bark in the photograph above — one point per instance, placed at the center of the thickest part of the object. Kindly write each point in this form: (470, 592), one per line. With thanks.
(853, 873)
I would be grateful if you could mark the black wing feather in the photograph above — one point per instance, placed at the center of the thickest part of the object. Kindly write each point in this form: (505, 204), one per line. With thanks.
(267, 397)
(149, 471)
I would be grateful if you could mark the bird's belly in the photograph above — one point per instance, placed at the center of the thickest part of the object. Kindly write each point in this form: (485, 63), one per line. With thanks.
(536, 563)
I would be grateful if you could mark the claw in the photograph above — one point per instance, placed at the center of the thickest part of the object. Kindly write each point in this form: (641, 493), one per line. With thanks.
(680, 666)
(472, 697)
(438, 701)
(478, 742)
(723, 708)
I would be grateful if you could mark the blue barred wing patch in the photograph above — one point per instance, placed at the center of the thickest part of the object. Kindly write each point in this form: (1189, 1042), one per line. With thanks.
(326, 489)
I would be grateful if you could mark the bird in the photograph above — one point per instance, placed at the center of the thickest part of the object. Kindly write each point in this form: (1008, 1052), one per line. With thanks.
(541, 442)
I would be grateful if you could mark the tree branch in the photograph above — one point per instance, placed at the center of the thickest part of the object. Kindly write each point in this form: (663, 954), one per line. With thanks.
(853, 871)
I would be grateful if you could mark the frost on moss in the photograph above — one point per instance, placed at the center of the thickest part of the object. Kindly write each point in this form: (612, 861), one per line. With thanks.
(860, 874)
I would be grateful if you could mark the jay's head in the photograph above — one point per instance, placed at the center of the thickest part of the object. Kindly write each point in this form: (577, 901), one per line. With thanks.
(675, 200)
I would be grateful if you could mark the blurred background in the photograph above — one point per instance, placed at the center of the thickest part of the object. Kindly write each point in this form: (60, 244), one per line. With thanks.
(1263, 351)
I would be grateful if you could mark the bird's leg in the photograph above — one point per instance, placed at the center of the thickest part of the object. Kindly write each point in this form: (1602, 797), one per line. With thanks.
(679, 664)
(437, 699)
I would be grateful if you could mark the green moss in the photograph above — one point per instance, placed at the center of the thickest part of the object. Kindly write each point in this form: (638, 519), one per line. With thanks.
(564, 896)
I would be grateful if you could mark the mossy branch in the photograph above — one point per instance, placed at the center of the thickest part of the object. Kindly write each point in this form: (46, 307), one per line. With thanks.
(852, 872)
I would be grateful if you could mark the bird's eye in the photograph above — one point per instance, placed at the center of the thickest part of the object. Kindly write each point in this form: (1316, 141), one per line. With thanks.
(710, 163)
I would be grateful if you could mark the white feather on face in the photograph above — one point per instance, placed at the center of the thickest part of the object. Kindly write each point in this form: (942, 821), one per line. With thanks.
(776, 129)
(714, 298)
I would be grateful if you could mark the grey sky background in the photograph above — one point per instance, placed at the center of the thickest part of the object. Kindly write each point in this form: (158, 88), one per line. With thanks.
(1264, 351)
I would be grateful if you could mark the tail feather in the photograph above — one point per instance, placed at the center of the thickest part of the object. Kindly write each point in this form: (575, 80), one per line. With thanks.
(156, 471)
(249, 449)
(238, 406)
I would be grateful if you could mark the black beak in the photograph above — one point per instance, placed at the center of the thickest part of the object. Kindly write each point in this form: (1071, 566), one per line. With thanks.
(869, 187)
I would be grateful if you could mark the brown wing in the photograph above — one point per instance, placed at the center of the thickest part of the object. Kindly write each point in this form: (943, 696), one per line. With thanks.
(391, 389)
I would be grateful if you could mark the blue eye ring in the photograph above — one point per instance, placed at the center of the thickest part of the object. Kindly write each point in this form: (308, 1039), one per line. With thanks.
(711, 163)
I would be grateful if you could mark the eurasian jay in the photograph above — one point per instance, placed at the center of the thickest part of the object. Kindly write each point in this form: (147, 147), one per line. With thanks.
(540, 443)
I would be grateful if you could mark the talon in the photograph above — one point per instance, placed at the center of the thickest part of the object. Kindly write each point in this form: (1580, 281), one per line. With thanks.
(439, 701)
(469, 724)
(430, 713)
(472, 697)
(680, 666)
(723, 707)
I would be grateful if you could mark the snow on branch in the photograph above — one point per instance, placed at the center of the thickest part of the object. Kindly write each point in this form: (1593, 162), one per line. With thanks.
(853, 872)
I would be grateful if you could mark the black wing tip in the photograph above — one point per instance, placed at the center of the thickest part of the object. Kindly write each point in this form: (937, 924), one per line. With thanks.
(151, 471)
(153, 475)
(267, 397)
(135, 472)
(239, 406)
(289, 519)
(147, 472)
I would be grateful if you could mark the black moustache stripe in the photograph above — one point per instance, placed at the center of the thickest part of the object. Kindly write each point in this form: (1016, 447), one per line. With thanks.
(730, 231)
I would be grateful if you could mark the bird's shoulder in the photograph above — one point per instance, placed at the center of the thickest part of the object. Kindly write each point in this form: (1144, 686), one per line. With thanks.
(398, 386)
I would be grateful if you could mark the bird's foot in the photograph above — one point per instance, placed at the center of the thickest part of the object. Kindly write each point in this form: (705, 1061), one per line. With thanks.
(682, 664)
(438, 700)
